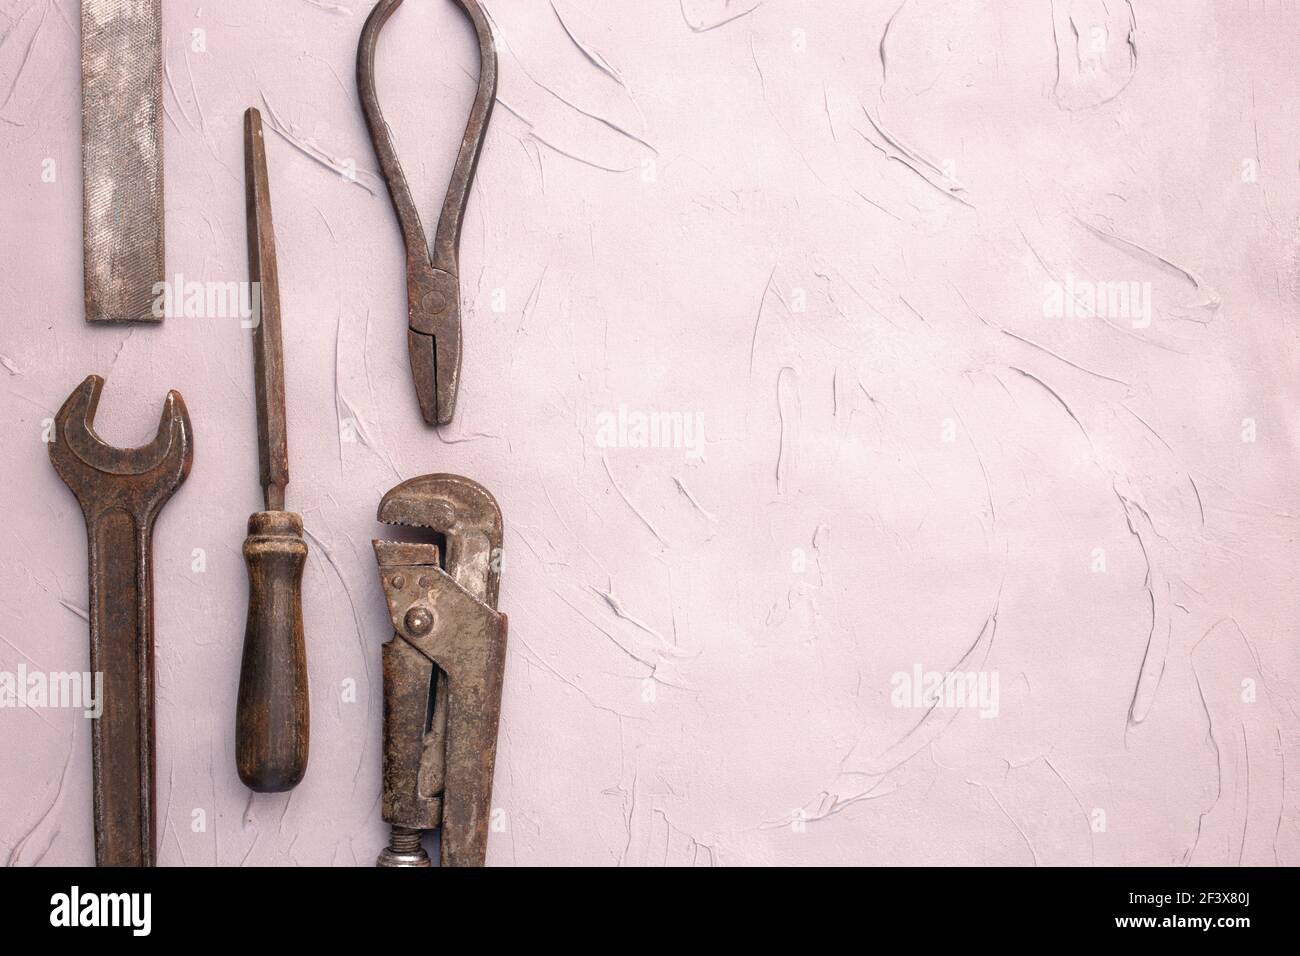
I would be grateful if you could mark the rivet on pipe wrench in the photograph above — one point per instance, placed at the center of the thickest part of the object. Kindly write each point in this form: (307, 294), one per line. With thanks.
(432, 275)
(443, 669)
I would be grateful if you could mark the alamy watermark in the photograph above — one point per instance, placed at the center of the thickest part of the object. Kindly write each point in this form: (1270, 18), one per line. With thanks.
(133, 911)
(208, 300)
(1084, 299)
(39, 690)
(633, 428)
(945, 690)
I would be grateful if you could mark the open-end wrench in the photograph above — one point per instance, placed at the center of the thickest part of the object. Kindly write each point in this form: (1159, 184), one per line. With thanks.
(121, 491)
(442, 670)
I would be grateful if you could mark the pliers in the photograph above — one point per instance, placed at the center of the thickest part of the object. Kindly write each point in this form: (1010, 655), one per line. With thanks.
(432, 275)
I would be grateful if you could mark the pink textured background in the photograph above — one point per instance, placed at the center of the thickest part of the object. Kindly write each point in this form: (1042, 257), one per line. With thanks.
(825, 229)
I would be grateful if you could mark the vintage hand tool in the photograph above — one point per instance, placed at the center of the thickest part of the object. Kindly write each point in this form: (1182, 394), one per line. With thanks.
(432, 277)
(121, 491)
(442, 669)
(271, 720)
(122, 159)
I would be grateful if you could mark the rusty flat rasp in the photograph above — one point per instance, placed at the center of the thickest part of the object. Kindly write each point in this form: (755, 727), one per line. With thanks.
(121, 158)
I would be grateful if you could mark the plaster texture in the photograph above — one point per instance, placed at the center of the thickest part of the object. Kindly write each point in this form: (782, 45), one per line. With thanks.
(852, 247)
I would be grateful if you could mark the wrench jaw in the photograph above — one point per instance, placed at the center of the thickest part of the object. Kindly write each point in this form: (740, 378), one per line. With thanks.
(442, 670)
(78, 450)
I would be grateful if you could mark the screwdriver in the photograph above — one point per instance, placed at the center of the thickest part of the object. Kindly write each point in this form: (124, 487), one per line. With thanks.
(272, 715)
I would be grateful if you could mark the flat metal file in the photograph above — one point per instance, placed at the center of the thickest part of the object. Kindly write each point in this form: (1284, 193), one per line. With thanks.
(122, 159)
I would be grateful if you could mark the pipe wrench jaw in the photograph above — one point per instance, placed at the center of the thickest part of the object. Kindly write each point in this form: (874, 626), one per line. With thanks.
(434, 341)
(468, 517)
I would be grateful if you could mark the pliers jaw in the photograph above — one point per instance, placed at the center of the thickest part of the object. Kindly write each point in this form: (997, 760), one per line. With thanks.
(434, 340)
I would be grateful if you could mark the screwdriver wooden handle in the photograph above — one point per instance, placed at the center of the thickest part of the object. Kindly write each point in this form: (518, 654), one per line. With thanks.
(271, 720)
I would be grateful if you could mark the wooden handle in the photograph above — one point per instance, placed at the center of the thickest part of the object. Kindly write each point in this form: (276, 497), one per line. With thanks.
(271, 720)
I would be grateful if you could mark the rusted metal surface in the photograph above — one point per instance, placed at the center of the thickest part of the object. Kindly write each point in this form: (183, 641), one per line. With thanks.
(122, 159)
(121, 491)
(268, 343)
(432, 275)
(272, 717)
(442, 670)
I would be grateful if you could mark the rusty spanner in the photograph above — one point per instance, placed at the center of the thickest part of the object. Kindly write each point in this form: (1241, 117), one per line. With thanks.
(442, 670)
(121, 491)
(432, 276)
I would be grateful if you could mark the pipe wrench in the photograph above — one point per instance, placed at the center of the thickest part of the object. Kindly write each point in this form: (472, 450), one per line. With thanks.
(442, 669)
